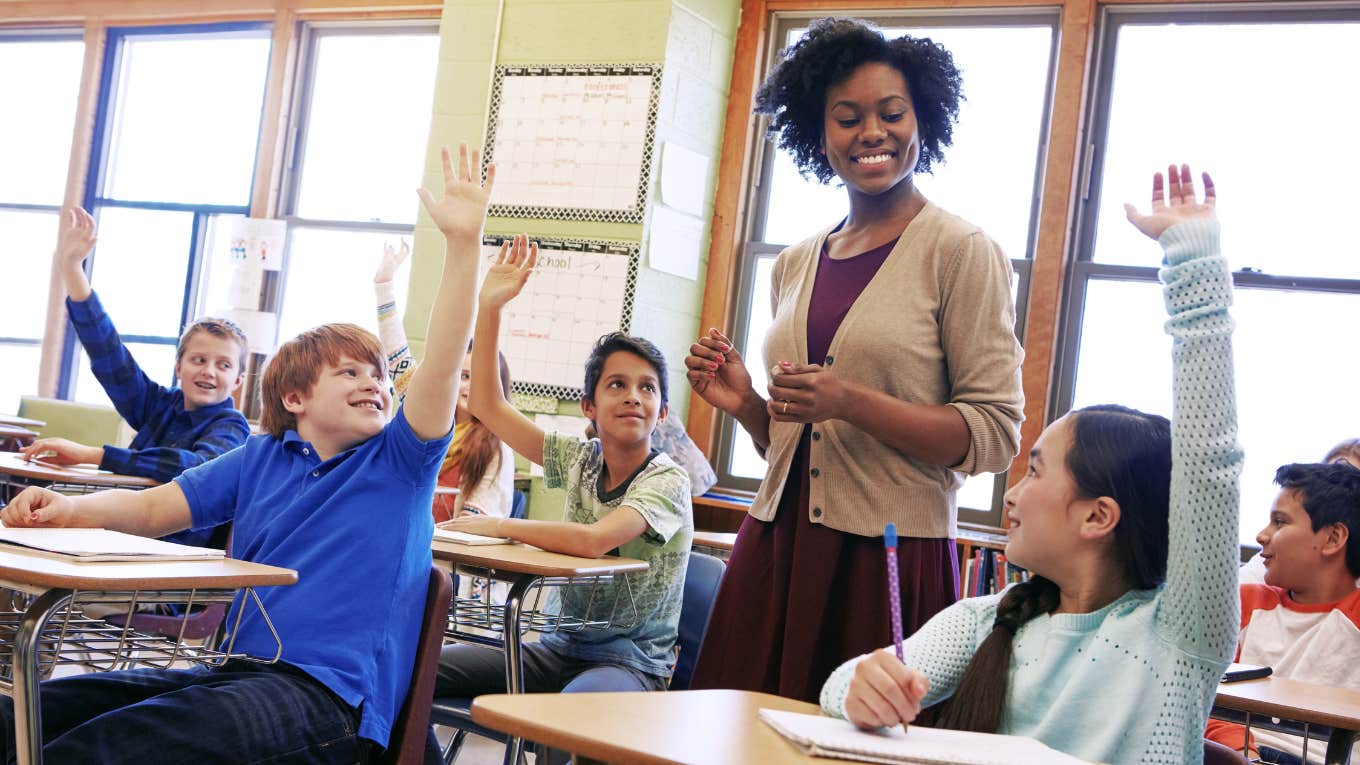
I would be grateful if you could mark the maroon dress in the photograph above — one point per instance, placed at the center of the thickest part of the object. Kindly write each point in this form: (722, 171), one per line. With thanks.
(799, 599)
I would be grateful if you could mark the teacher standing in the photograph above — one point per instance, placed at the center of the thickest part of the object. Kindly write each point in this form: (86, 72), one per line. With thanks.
(894, 371)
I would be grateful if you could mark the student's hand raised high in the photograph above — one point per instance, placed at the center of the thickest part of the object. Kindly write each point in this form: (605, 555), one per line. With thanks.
(462, 210)
(508, 273)
(77, 238)
(38, 507)
(1174, 204)
(883, 692)
(716, 372)
(392, 259)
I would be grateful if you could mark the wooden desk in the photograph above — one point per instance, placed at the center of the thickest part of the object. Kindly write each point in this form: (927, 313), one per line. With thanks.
(55, 582)
(700, 727)
(23, 422)
(523, 567)
(16, 472)
(717, 540)
(15, 437)
(1303, 702)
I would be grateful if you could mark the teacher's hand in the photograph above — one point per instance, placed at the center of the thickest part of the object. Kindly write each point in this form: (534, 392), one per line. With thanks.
(717, 373)
(806, 393)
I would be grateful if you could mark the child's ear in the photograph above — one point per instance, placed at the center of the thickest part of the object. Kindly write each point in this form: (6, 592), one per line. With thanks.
(1101, 515)
(1334, 539)
(588, 408)
(661, 414)
(240, 378)
(292, 402)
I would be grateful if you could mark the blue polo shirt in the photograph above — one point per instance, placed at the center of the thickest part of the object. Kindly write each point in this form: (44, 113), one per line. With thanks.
(357, 529)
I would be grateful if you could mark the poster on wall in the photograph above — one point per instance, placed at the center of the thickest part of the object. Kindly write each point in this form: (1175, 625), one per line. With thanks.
(580, 289)
(573, 142)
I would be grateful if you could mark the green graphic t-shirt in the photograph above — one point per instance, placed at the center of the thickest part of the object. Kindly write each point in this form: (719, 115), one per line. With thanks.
(644, 608)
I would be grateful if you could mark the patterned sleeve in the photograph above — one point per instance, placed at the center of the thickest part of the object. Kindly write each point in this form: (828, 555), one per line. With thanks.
(940, 650)
(135, 395)
(1199, 610)
(560, 452)
(163, 463)
(661, 497)
(400, 362)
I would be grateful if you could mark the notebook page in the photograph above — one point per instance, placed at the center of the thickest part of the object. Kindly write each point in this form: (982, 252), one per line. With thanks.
(464, 538)
(102, 544)
(832, 737)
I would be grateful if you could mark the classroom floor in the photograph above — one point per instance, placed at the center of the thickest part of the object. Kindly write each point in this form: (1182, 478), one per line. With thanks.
(478, 750)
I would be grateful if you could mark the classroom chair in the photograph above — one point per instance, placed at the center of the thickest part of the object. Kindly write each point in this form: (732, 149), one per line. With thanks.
(82, 423)
(519, 505)
(702, 578)
(406, 746)
(1218, 754)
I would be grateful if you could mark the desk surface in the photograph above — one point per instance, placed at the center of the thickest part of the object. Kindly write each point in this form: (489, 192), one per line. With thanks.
(23, 422)
(1293, 700)
(14, 464)
(523, 559)
(708, 727)
(15, 431)
(715, 539)
(45, 572)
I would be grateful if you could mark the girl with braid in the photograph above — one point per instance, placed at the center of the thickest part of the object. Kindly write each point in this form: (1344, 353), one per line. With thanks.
(1128, 524)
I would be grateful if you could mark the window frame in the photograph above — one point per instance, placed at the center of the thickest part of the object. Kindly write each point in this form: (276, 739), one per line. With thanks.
(757, 194)
(97, 175)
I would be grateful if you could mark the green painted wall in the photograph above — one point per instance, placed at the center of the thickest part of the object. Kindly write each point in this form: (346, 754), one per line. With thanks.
(693, 41)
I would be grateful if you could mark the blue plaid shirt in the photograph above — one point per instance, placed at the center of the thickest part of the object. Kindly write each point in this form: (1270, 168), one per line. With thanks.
(169, 439)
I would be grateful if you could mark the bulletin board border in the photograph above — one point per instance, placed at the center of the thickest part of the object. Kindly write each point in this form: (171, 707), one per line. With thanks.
(630, 250)
(633, 214)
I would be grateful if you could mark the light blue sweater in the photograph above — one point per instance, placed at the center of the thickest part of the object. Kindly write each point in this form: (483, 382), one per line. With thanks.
(1132, 682)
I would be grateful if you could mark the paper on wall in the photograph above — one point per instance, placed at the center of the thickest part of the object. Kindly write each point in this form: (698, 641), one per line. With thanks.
(684, 178)
(674, 242)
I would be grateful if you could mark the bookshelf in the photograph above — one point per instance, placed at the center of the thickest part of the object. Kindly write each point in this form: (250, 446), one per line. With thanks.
(983, 569)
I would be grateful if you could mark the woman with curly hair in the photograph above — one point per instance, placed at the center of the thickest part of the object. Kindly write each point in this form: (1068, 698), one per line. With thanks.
(894, 371)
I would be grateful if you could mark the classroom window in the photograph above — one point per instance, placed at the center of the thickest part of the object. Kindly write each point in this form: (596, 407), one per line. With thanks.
(990, 177)
(364, 107)
(1285, 180)
(33, 166)
(175, 143)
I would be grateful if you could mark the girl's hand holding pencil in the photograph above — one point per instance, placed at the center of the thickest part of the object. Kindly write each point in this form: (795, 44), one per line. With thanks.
(884, 692)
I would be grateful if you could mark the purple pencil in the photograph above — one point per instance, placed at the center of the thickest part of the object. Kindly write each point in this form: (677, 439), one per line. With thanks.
(894, 594)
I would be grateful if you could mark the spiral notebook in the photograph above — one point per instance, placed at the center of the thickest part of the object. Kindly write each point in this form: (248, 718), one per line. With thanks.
(822, 736)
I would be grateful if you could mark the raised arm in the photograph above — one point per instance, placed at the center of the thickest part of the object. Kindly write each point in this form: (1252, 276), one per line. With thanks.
(74, 244)
(504, 280)
(433, 392)
(1199, 611)
(150, 513)
(400, 362)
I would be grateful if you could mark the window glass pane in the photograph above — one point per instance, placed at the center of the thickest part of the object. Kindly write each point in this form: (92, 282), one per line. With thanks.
(139, 267)
(1275, 362)
(746, 462)
(35, 150)
(329, 278)
(158, 361)
(214, 286)
(187, 117)
(976, 492)
(20, 363)
(989, 173)
(27, 240)
(1233, 130)
(367, 128)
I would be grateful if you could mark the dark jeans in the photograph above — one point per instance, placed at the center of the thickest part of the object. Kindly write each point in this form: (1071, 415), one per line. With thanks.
(242, 712)
(1277, 757)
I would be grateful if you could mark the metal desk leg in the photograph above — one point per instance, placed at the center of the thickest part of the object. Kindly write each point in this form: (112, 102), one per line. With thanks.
(1339, 746)
(514, 677)
(27, 710)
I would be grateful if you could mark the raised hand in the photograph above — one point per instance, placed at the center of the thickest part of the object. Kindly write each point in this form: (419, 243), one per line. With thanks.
(77, 238)
(1174, 204)
(883, 692)
(392, 259)
(36, 506)
(508, 273)
(462, 209)
(716, 372)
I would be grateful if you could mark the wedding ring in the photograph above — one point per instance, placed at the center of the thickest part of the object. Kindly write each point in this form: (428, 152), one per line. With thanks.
(786, 408)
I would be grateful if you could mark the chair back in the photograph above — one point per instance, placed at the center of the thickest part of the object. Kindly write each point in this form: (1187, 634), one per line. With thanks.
(406, 745)
(82, 423)
(1218, 754)
(519, 505)
(702, 579)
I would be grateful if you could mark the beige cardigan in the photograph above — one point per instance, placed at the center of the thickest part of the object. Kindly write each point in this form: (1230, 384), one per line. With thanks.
(936, 325)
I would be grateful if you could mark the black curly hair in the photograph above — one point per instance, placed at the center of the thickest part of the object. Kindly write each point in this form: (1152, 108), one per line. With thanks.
(795, 92)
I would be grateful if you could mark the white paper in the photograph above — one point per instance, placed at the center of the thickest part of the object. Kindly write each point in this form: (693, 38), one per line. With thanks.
(464, 538)
(684, 178)
(558, 423)
(674, 242)
(247, 276)
(259, 241)
(102, 545)
(261, 328)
